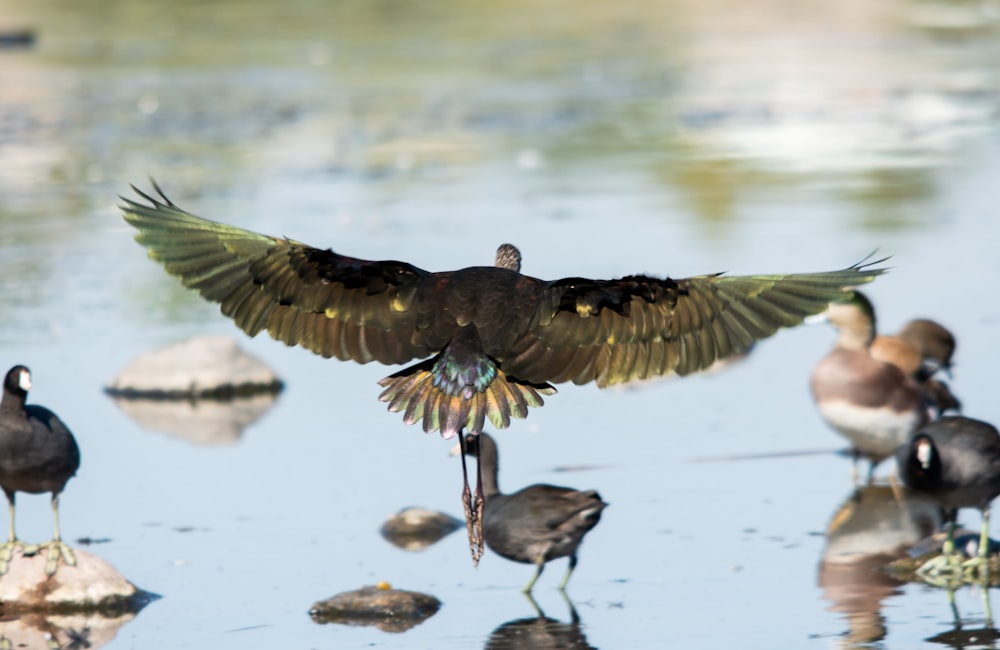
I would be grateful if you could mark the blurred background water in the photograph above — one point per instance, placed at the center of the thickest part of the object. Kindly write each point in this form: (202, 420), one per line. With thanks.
(667, 137)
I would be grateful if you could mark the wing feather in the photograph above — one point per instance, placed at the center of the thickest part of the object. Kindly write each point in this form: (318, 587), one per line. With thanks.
(573, 329)
(328, 303)
(640, 327)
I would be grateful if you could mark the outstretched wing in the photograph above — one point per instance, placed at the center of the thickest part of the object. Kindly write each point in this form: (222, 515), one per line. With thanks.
(334, 305)
(640, 327)
(574, 329)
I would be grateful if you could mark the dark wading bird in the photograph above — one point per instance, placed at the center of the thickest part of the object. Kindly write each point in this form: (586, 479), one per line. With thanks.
(492, 340)
(536, 524)
(956, 461)
(37, 454)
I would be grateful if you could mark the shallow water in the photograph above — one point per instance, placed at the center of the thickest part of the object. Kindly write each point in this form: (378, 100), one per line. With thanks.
(663, 137)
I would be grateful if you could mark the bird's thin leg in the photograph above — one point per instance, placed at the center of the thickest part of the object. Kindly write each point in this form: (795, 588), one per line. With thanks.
(855, 459)
(977, 569)
(984, 534)
(7, 549)
(12, 537)
(478, 505)
(945, 563)
(56, 548)
(540, 562)
(948, 548)
(473, 511)
(569, 572)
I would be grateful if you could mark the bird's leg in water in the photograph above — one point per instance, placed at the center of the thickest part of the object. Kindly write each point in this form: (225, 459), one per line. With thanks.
(473, 506)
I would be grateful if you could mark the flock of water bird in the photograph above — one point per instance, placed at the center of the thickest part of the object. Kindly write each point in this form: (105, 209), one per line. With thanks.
(491, 341)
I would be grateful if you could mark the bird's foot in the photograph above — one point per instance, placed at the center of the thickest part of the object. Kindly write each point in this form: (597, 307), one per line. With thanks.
(7, 553)
(949, 571)
(943, 565)
(54, 549)
(474, 523)
(976, 569)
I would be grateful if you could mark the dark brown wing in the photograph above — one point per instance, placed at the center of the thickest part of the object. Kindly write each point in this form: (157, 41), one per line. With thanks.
(641, 327)
(334, 305)
(608, 331)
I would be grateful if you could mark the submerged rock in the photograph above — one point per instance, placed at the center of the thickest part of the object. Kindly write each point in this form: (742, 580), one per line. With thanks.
(203, 366)
(390, 610)
(414, 529)
(92, 585)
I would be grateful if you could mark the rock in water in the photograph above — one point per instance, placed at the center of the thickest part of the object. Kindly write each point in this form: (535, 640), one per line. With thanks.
(92, 585)
(202, 366)
(391, 610)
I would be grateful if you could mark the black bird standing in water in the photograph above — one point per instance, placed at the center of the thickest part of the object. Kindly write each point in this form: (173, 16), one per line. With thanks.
(37, 454)
(956, 461)
(537, 523)
(492, 340)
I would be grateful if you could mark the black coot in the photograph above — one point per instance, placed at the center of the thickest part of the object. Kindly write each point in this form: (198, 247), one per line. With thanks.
(37, 454)
(956, 461)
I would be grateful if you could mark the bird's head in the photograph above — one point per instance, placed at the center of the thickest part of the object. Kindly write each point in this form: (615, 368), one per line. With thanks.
(18, 380)
(924, 451)
(921, 466)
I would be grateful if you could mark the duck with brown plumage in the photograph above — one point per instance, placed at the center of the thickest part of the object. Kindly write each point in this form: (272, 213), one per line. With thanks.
(872, 403)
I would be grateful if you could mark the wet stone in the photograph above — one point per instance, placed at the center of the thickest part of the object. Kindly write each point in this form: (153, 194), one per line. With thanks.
(414, 529)
(200, 367)
(92, 585)
(390, 610)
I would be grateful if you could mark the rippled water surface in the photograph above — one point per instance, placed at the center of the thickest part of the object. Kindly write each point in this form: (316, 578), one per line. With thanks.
(604, 139)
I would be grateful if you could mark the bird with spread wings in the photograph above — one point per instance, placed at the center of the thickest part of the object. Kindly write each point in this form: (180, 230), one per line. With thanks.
(489, 341)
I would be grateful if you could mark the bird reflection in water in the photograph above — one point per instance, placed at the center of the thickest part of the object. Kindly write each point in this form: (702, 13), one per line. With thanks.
(962, 637)
(540, 631)
(967, 632)
(873, 527)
